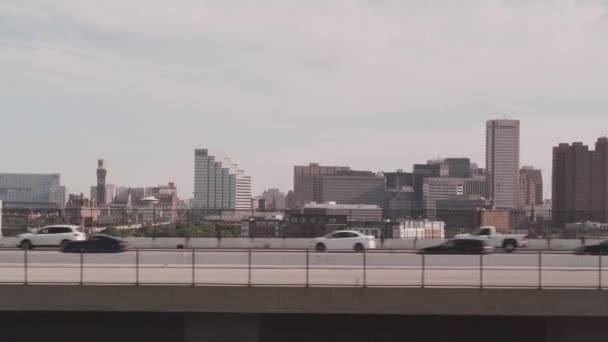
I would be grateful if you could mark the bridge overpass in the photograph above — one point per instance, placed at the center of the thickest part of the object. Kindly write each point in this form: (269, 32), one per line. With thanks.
(282, 295)
(251, 314)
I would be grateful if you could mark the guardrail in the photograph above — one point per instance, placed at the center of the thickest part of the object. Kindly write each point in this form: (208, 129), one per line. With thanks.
(304, 268)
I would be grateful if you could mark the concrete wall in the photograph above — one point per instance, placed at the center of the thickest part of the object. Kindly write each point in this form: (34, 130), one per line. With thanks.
(317, 300)
(274, 243)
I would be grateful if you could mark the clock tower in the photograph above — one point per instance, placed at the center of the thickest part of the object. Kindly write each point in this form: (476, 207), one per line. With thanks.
(101, 183)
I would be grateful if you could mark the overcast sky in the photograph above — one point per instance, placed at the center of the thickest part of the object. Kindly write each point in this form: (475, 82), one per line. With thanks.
(375, 85)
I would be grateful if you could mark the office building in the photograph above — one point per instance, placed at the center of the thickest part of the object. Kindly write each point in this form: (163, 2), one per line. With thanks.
(460, 212)
(307, 182)
(435, 189)
(475, 186)
(353, 212)
(290, 200)
(580, 183)
(399, 179)
(475, 170)
(458, 167)
(444, 170)
(274, 198)
(20, 190)
(399, 203)
(502, 163)
(243, 191)
(423, 171)
(353, 187)
(219, 183)
(531, 186)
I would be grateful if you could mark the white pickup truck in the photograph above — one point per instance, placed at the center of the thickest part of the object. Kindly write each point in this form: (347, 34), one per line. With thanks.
(508, 242)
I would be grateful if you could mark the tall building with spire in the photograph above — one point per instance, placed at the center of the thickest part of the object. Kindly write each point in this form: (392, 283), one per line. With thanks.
(102, 173)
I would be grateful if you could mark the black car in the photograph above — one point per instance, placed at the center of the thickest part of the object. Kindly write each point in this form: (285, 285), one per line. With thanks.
(460, 246)
(598, 249)
(96, 244)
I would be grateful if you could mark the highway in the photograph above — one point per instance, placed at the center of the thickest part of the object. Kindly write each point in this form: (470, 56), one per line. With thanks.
(295, 268)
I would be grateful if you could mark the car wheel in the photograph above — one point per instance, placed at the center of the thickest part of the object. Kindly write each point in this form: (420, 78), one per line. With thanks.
(320, 247)
(509, 246)
(26, 244)
(64, 243)
(359, 247)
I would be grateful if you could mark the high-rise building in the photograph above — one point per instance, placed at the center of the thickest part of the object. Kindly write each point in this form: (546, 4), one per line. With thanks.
(442, 188)
(399, 203)
(32, 190)
(275, 199)
(458, 167)
(307, 182)
(353, 187)
(219, 184)
(102, 198)
(475, 186)
(290, 200)
(531, 181)
(460, 211)
(580, 183)
(422, 171)
(502, 163)
(399, 179)
(243, 191)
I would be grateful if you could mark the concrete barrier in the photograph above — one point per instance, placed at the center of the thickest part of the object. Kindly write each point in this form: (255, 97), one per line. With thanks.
(8, 242)
(278, 243)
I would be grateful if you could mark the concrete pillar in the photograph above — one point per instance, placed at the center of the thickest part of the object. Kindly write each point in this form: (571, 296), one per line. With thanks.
(576, 329)
(221, 328)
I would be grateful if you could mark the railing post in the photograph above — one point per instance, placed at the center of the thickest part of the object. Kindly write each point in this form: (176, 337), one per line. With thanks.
(364, 267)
(249, 268)
(193, 267)
(136, 266)
(81, 266)
(599, 276)
(423, 270)
(481, 271)
(307, 267)
(540, 269)
(25, 266)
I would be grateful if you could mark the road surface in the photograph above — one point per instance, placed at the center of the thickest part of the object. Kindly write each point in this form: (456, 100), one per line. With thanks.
(289, 268)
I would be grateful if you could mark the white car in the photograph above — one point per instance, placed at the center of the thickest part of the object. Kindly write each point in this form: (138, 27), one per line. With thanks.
(343, 240)
(55, 236)
(508, 242)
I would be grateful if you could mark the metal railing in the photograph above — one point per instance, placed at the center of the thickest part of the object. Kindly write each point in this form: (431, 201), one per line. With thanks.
(303, 268)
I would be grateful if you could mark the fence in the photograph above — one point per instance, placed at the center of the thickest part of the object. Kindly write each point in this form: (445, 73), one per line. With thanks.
(171, 222)
(304, 268)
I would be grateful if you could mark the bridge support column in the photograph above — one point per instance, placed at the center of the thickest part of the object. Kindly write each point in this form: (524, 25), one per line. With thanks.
(221, 328)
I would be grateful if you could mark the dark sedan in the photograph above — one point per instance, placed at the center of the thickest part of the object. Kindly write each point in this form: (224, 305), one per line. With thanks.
(598, 249)
(460, 246)
(96, 244)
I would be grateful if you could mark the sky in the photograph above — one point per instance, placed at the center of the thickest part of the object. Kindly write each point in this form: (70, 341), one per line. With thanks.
(375, 85)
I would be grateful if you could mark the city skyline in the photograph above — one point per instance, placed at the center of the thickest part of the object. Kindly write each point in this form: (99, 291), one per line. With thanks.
(383, 90)
(258, 189)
